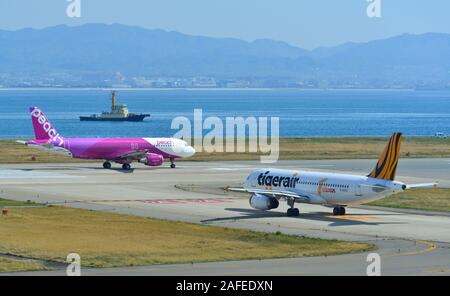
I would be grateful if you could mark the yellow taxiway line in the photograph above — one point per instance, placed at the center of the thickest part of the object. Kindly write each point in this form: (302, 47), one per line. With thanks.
(431, 247)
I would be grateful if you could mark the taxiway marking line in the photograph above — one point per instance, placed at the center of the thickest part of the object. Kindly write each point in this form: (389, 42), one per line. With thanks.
(431, 247)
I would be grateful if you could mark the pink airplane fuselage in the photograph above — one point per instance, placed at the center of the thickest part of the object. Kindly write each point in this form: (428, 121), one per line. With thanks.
(108, 148)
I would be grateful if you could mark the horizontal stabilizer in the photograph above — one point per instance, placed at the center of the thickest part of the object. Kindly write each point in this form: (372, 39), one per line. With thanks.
(48, 147)
(410, 186)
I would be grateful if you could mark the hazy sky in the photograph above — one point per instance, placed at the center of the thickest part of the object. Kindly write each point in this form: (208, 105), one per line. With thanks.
(304, 23)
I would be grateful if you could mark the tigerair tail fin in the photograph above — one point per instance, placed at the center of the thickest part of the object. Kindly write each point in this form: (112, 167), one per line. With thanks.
(387, 164)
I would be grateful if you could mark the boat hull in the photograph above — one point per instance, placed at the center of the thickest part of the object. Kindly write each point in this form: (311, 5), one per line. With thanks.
(133, 118)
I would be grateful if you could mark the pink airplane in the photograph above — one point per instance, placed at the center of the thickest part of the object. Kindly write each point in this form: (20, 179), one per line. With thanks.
(149, 151)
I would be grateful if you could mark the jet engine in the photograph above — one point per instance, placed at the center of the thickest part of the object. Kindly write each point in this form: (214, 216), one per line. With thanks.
(263, 202)
(152, 159)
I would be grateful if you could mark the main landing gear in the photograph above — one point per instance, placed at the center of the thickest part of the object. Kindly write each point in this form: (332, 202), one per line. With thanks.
(172, 164)
(339, 211)
(292, 212)
(125, 166)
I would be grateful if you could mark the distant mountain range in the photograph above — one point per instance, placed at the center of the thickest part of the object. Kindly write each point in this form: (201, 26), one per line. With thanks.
(98, 51)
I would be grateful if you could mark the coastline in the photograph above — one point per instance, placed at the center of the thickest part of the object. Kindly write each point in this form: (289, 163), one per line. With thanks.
(201, 89)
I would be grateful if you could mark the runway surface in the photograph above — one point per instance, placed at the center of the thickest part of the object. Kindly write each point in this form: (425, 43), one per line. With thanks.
(409, 243)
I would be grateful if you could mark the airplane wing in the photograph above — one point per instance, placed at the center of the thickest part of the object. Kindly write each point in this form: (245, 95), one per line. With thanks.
(418, 185)
(134, 155)
(278, 194)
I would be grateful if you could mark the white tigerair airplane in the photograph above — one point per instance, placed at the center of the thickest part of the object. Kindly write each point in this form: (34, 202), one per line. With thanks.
(268, 186)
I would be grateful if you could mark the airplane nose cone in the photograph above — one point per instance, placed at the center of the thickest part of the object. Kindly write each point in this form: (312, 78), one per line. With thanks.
(189, 151)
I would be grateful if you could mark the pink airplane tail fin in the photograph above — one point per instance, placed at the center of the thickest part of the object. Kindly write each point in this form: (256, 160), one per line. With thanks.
(43, 129)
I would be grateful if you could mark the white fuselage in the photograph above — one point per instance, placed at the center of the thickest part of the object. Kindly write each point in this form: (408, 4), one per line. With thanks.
(324, 188)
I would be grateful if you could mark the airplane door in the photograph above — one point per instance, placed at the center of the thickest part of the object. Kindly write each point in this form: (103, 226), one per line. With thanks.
(358, 190)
